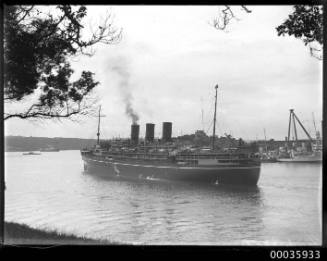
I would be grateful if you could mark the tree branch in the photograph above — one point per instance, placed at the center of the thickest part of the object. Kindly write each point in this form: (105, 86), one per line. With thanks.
(40, 115)
(38, 46)
(37, 110)
(246, 9)
(27, 12)
(225, 16)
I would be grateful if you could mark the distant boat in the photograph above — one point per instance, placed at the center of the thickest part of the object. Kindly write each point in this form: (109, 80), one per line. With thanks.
(50, 149)
(297, 154)
(31, 153)
(268, 160)
(314, 156)
(303, 158)
(267, 156)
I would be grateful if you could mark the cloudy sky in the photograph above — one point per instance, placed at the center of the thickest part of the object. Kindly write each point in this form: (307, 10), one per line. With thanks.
(170, 59)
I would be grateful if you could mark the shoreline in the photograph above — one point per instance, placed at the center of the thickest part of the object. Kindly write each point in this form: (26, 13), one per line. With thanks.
(21, 234)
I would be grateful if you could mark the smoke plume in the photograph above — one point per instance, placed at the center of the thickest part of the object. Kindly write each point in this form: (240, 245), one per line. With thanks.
(120, 67)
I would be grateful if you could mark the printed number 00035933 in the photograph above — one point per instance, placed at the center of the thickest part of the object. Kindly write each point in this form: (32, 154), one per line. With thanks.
(295, 254)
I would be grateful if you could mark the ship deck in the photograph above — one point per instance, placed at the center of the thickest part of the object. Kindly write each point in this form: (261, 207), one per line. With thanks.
(200, 160)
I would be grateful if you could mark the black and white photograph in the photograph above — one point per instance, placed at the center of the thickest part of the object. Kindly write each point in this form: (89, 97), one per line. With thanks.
(151, 125)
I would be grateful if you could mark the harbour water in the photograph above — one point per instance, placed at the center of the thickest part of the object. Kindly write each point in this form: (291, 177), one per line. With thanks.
(51, 192)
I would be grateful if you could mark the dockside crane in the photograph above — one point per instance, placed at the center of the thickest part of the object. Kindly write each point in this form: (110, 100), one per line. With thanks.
(292, 118)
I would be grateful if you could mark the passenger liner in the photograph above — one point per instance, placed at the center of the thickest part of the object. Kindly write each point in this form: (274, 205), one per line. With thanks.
(165, 160)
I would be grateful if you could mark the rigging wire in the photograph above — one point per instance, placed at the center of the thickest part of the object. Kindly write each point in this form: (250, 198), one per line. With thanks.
(220, 118)
(205, 123)
(211, 124)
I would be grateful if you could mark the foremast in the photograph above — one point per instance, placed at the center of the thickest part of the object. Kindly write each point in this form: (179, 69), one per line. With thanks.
(98, 133)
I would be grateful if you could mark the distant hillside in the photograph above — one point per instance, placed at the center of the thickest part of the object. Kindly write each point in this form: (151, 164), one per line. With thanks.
(19, 143)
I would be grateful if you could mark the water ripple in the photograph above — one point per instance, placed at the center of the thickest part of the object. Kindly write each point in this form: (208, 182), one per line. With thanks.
(284, 208)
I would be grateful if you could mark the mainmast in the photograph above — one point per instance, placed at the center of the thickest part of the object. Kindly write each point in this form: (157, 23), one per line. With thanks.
(202, 122)
(98, 133)
(214, 121)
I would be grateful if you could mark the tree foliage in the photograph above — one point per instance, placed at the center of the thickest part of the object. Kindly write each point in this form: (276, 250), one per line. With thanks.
(305, 23)
(37, 49)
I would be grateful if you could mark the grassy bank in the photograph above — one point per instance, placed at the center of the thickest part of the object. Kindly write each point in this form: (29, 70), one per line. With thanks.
(15, 234)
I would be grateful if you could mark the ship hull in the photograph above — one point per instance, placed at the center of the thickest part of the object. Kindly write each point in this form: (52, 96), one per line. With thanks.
(247, 175)
(300, 160)
(315, 158)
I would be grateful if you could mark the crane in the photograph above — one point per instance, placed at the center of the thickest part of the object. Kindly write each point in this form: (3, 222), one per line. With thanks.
(292, 118)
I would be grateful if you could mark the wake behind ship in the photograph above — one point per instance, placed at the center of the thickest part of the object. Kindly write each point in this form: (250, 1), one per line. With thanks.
(165, 159)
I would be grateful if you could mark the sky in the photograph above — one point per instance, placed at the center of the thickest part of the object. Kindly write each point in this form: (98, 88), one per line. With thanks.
(167, 64)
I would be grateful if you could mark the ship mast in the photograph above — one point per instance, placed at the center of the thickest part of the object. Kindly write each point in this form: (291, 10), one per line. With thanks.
(98, 133)
(214, 121)
(202, 114)
(314, 124)
(264, 131)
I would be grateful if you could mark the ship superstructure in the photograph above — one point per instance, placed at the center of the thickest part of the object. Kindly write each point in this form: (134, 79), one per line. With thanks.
(165, 159)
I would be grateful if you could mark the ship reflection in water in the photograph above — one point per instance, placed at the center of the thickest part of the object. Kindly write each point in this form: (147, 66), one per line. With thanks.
(285, 207)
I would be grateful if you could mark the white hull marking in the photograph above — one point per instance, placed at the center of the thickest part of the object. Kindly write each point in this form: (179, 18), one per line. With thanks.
(168, 167)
